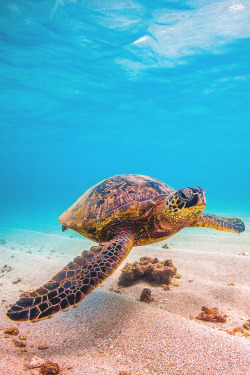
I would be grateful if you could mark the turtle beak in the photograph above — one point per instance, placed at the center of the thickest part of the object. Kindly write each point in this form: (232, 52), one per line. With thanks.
(64, 228)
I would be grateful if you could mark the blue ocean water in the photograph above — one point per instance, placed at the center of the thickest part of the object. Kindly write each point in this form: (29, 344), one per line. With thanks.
(91, 89)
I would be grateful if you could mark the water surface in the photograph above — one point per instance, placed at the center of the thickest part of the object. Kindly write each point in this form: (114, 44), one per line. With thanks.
(94, 89)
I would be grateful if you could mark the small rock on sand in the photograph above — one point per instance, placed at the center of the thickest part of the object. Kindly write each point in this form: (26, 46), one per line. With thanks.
(43, 347)
(247, 324)
(49, 368)
(146, 296)
(35, 362)
(19, 343)
(13, 331)
(165, 246)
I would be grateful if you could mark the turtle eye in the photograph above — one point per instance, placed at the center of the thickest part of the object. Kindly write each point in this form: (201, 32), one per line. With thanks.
(186, 194)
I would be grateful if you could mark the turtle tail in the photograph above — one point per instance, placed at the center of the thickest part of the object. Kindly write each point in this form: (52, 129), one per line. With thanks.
(74, 282)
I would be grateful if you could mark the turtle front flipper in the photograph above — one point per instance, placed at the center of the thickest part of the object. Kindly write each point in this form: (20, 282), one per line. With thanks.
(74, 282)
(220, 223)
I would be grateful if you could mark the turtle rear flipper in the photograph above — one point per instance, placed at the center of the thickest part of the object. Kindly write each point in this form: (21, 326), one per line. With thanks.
(74, 282)
(220, 223)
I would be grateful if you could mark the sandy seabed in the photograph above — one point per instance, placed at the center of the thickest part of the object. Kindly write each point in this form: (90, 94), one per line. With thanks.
(111, 333)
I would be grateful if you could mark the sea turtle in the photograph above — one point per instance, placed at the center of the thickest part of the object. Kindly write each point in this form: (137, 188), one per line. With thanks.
(118, 213)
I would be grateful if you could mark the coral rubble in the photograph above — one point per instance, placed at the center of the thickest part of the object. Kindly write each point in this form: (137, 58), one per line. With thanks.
(49, 368)
(211, 315)
(148, 269)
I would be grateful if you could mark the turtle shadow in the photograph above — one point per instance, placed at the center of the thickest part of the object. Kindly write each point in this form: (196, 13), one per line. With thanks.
(99, 318)
(96, 323)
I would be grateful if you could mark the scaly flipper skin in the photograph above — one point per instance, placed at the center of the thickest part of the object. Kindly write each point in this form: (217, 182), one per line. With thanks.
(220, 223)
(74, 282)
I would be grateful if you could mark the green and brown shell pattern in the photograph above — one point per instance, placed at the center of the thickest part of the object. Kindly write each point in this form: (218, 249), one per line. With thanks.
(114, 200)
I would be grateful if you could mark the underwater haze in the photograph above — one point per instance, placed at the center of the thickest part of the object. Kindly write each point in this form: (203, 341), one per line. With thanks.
(91, 89)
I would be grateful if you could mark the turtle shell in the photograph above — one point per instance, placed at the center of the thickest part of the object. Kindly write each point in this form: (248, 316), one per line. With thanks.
(122, 197)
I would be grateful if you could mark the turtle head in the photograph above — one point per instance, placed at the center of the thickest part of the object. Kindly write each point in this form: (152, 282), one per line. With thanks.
(184, 206)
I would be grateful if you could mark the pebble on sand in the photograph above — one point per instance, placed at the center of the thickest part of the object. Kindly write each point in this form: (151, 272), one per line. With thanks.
(13, 331)
(46, 367)
(43, 347)
(165, 287)
(18, 280)
(247, 324)
(18, 343)
(35, 362)
(165, 246)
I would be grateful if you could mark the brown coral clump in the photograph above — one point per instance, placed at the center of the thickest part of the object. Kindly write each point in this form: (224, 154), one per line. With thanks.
(211, 315)
(148, 269)
(146, 296)
(49, 368)
(238, 331)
